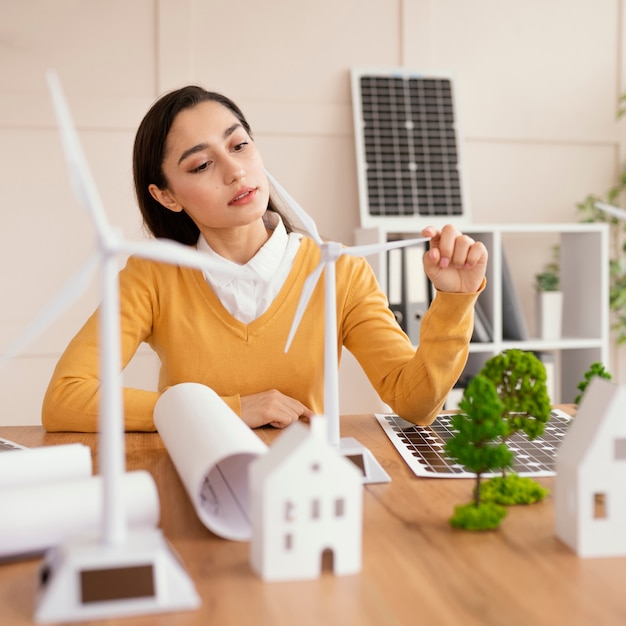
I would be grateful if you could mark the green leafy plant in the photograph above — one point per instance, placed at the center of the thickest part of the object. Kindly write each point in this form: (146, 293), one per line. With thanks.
(617, 242)
(549, 279)
(477, 427)
(617, 253)
(519, 378)
(486, 516)
(595, 369)
(512, 489)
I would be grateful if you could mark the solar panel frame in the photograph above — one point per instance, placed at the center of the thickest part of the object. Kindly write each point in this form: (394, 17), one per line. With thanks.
(409, 161)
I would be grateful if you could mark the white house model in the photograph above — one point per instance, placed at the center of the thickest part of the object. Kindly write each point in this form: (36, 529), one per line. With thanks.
(589, 492)
(306, 502)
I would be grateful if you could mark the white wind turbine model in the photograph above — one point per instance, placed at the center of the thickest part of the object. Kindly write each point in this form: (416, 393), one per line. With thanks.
(611, 210)
(82, 579)
(330, 252)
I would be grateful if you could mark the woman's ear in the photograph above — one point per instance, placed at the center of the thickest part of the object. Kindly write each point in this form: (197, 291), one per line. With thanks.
(165, 198)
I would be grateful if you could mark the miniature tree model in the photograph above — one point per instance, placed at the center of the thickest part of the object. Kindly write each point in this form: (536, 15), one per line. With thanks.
(478, 425)
(595, 369)
(520, 381)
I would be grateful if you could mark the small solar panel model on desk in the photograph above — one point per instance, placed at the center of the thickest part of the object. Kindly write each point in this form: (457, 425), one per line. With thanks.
(6, 445)
(422, 447)
(408, 149)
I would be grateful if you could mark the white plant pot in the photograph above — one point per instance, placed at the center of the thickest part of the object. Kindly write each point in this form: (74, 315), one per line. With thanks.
(549, 314)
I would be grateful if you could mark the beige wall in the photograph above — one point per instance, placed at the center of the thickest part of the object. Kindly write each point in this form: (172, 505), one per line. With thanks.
(537, 85)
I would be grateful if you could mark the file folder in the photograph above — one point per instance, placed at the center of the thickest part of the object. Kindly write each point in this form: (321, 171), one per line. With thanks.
(395, 285)
(417, 290)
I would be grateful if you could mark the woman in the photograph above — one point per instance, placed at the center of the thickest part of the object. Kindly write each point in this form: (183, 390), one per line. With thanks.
(200, 180)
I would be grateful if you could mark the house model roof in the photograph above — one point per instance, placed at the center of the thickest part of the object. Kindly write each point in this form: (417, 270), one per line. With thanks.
(291, 442)
(599, 422)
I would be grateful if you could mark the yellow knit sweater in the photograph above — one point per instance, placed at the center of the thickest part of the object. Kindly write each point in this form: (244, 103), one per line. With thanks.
(175, 311)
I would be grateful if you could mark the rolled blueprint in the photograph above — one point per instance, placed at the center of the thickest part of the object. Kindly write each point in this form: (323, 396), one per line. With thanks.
(211, 448)
(35, 465)
(38, 516)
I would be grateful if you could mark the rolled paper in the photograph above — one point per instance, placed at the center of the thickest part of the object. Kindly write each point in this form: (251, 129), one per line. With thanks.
(35, 517)
(211, 448)
(48, 463)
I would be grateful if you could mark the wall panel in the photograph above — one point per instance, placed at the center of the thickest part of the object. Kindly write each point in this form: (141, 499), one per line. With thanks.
(537, 84)
(539, 70)
(103, 48)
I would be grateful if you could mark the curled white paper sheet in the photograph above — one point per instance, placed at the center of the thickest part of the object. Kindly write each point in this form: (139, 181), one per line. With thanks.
(36, 465)
(211, 449)
(35, 517)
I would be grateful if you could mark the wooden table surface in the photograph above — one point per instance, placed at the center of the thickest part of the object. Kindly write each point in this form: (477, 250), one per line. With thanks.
(416, 568)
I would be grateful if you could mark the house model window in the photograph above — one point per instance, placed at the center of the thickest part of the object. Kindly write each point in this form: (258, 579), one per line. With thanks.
(339, 507)
(599, 506)
(620, 449)
(290, 511)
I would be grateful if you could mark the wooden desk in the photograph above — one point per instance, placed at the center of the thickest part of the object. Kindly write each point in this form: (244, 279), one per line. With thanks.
(416, 568)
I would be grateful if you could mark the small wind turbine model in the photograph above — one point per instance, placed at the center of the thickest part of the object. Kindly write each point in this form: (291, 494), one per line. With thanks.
(330, 252)
(121, 572)
(611, 210)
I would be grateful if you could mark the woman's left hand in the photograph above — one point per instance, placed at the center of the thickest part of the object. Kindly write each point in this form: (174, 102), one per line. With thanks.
(455, 262)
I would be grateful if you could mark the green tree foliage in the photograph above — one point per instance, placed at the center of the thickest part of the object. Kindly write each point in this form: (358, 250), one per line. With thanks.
(512, 489)
(520, 381)
(596, 369)
(487, 516)
(478, 424)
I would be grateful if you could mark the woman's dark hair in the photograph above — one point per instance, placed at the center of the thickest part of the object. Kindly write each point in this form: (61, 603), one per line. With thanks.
(149, 153)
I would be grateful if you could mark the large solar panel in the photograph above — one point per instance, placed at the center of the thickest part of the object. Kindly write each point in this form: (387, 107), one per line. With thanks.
(408, 153)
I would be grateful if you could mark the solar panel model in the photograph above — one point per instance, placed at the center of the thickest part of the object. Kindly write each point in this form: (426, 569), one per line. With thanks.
(408, 153)
(423, 447)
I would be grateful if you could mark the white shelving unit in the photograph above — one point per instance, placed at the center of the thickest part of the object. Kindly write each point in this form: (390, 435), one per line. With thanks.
(584, 282)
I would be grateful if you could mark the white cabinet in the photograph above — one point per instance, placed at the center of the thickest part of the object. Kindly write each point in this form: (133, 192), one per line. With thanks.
(584, 282)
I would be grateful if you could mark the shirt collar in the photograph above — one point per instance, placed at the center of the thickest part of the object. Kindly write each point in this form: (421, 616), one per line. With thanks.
(264, 263)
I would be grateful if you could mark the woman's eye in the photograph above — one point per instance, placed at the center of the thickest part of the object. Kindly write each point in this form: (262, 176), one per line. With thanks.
(241, 146)
(201, 167)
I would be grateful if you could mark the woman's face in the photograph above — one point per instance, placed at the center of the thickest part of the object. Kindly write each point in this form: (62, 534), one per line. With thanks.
(213, 169)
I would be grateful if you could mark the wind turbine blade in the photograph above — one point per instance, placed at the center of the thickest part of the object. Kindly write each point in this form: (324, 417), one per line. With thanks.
(62, 301)
(611, 210)
(373, 248)
(307, 292)
(82, 181)
(165, 251)
(301, 214)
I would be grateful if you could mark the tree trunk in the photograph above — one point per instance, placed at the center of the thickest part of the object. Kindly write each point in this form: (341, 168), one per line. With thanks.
(477, 491)
(504, 441)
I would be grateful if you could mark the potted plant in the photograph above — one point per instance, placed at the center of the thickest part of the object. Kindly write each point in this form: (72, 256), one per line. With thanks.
(549, 298)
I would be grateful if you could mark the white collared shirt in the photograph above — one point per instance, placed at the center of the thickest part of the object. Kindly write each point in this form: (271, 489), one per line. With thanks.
(246, 291)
